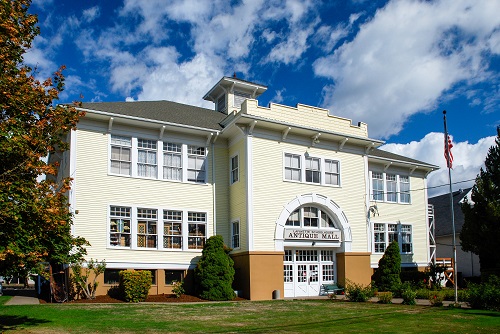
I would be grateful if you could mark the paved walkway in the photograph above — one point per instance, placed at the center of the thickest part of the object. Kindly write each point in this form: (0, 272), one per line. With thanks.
(26, 300)
(22, 300)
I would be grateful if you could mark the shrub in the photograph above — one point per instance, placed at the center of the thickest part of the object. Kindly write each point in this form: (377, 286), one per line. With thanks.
(134, 285)
(357, 292)
(214, 273)
(385, 297)
(82, 278)
(409, 296)
(485, 296)
(436, 298)
(178, 289)
(424, 293)
(387, 276)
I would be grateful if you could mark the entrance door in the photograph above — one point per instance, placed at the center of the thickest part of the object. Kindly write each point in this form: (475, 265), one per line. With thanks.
(305, 270)
(307, 280)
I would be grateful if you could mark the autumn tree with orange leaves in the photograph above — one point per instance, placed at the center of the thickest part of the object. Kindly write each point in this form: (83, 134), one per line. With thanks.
(35, 220)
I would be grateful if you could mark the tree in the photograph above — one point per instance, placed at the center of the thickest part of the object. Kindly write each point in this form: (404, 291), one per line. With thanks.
(214, 273)
(387, 276)
(481, 230)
(35, 220)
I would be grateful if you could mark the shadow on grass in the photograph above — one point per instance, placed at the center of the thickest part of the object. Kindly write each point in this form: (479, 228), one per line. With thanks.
(12, 322)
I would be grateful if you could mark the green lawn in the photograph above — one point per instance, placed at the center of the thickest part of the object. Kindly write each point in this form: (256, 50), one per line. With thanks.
(280, 316)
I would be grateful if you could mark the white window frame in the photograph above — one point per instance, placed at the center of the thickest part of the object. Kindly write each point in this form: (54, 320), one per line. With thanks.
(234, 169)
(172, 150)
(305, 171)
(149, 217)
(132, 218)
(193, 158)
(150, 148)
(235, 234)
(384, 181)
(304, 217)
(383, 233)
(198, 220)
(121, 143)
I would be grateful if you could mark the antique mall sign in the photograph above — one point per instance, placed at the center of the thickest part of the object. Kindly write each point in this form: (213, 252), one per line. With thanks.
(316, 235)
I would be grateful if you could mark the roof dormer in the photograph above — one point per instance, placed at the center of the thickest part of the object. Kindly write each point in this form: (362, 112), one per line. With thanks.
(230, 92)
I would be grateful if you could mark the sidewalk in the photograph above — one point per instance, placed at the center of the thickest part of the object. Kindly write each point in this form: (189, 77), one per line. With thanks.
(22, 300)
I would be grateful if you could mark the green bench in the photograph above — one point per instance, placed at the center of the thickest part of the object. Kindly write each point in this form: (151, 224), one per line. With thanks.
(327, 289)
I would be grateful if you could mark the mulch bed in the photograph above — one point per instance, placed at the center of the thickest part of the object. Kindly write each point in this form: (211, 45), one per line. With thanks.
(163, 298)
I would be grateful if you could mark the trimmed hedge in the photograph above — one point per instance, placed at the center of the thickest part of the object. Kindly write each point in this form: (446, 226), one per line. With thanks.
(134, 285)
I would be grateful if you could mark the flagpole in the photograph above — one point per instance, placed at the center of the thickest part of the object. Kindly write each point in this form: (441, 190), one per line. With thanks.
(448, 163)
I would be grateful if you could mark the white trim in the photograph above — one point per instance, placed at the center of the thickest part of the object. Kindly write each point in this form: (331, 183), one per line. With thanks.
(326, 204)
(152, 266)
(368, 175)
(72, 174)
(249, 190)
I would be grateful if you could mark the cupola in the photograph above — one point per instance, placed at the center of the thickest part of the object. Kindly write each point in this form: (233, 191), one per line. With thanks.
(230, 92)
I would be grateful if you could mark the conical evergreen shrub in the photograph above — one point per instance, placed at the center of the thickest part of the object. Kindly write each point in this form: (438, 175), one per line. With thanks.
(387, 276)
(214, 273)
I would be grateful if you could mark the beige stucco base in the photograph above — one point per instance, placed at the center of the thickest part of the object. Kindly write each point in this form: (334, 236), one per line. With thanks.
(354, 267)
(156, 289)
(258, 274)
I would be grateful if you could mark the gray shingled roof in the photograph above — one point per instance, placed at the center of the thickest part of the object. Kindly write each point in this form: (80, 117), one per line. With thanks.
(377, 153)
(442, 212)
(164, 111)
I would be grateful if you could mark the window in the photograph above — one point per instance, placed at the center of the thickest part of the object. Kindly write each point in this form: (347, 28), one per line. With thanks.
(235, 234)
(328, 272)
(155, 159)
(385, 233)
(332, 175)
(119, 226)
(147, 220)
(196, 163)
(288, 273)
(292, 167)
(239, 98)
(221, 103)
(309, 169)
(146, 158)
(313, 171)
(309, 216)
(406, 239)
(396, 189)
(379, 238)
(404, 189)
(294, 219)
(172, 161)
(391, 187)
(137, 227)
(234, 169)
(112, 276)
(172, 229)
(377, 186)
(172, 276)
(120, 155)
(197, 224)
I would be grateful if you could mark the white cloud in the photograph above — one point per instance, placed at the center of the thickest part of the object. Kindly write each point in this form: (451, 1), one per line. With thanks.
(406, 58)
(468, 159)
(91, 14)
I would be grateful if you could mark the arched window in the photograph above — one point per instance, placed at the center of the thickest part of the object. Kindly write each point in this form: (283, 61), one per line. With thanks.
(310, 217)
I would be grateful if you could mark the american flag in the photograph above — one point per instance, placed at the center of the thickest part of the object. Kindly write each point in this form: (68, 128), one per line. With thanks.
(447, 152)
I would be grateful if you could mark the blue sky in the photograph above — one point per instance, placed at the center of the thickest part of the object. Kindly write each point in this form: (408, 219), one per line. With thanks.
(395, 65)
